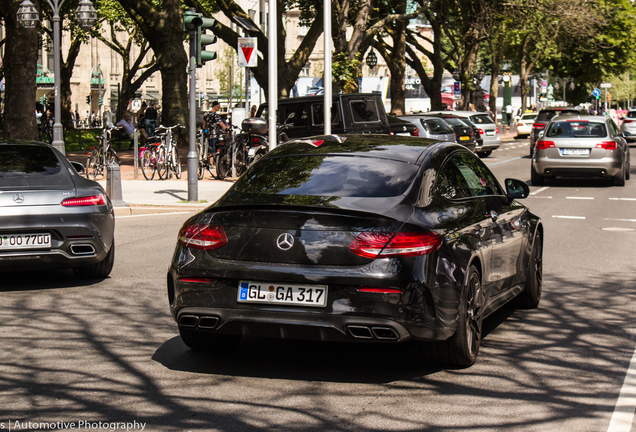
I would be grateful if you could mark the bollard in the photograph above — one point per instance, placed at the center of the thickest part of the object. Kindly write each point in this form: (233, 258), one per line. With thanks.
(136, 153)
(113, 185)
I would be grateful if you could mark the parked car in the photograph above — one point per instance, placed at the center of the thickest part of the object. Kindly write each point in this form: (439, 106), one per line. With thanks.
(50, 216)
(524, 124)
(358, 238)
(581, 146)
(350, 113)
(628, 126)
(466, 133)
(543, 118)
(402, 127)
(432, 127)
(486, 128)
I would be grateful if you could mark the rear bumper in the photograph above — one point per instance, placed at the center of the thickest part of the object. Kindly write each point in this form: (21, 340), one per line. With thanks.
(606, 167)
(491, 143)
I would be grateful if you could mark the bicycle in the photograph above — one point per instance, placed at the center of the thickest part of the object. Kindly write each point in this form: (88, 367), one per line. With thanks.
(232, 153)
(168, 161)
(46, 132)
(204, 159)
(149, 156)
(96, 163)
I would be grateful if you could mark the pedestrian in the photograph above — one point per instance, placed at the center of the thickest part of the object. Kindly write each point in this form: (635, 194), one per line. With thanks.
(150, 119)
(490, 113)
(509, 111)
(253, 111)
(126, 125)
(141, 122)
(294, 89)
(213, 124)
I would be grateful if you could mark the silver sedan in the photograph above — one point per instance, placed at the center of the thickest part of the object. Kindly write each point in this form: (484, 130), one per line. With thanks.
(581, 146)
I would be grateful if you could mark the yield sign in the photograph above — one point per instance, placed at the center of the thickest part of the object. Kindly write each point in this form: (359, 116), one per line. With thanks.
(247, 56)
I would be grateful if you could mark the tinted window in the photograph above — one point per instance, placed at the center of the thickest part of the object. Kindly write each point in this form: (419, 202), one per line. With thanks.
(364, 111)
(339, 176)
(294, 114)
(27, 165)
(466, 122)
(481, 119)
(454, 121)
(631, 114)
(318, 113)
(576, 129)
(545, 115)
(479, 179)
(450, 183)
(437, 126)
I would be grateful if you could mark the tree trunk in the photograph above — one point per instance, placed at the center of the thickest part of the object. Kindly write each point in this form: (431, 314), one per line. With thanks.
(66, 71)
(397, 65)
(20, 69)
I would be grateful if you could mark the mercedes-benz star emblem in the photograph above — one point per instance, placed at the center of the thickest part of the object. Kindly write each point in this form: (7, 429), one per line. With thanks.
(18, 198)
(285, 241)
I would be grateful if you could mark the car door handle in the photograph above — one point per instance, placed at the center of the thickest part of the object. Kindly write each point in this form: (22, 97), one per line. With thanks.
(493, 215)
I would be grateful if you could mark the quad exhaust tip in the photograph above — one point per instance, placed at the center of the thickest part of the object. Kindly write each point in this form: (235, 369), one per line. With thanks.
(204, 322)
(369, 332)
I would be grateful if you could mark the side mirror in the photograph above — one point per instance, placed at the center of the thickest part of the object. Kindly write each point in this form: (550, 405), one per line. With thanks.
(517, 189)
(78, 167)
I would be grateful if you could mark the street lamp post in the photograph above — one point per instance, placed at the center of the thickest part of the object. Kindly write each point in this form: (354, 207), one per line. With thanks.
(564, 82)
(28, 16)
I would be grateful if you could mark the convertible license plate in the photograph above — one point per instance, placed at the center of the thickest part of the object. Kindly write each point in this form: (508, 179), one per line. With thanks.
(25, 241)
(281, 293)
(464, 138)
(575, 152)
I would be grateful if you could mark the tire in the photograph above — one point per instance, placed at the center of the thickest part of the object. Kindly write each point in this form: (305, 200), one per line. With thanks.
(619, 180)
(535, 178)
(530, 297)
(98, 270)
(200, 165)
(93, 165)
(111, 157)
(177, 165)
(223, 166)
(461, 349)
(162, 163)
(147, 165)
(204, 341)
(484, 154)
(239, 162)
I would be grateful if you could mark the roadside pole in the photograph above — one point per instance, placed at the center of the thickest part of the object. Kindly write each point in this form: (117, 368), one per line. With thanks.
(193, 185)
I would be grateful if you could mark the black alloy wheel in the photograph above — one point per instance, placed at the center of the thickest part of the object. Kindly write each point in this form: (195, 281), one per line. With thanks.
(530, 297)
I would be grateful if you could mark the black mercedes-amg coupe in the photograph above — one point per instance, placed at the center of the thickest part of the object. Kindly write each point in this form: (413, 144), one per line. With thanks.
(358, 238)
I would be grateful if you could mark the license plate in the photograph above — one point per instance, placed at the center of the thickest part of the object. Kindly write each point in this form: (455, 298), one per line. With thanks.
(490, 133)
(464, 138)
(25, 241)
(281, 293)
(403, 133)
(575, 152)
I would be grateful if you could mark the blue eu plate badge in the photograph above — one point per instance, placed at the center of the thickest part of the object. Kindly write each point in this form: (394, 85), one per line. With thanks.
(243, 290)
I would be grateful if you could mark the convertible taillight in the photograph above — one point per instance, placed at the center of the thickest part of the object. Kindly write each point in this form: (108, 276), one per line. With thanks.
(607, 145)
(385, 245)
(202, 236)
(84, 201)
(542, 145)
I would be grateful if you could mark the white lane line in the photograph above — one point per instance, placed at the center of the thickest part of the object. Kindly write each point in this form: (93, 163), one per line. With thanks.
(623, 415)
(622, 199)
(620, 220)
(539, 190)
(580, 198)
(568, 217)
(153, 214)
(540, 196)
(621, 229)
(509, 160)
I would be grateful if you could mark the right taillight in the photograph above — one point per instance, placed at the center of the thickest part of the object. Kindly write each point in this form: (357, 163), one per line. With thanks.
(538, 125)
(627, 121)
(542, 145)
(202, 236)
(385, 245)
(607, 145)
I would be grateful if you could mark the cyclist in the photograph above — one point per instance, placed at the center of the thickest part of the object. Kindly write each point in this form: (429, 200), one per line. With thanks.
(212, 122)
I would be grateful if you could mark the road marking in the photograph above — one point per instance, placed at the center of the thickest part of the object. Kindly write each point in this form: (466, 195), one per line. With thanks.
(622, 199)
(617, 229)
(541, 196)
(621, 220)
(154, 214)
(623, 415)
(539, 190)
(509, 160)
(568, 217)
(580, 198)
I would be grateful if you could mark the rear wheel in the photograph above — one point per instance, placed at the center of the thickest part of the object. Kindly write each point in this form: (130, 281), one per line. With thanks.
(98, 270)
(92, 165)
(484, 154)
(200, 164)
(461, 349)
(531, 295)
(177, 164)
(619, 180)
(147, 165)
(535, 178)
(223, 166)
(204, 341)
(162, 165)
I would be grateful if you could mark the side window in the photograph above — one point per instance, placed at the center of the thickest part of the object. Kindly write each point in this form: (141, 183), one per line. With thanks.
(295, 114)
(613, 128)
(318, 114)
(479, 178)
(364, 111)
(450, 183)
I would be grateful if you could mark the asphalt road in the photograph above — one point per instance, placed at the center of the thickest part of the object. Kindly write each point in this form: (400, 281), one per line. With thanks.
(109, 351)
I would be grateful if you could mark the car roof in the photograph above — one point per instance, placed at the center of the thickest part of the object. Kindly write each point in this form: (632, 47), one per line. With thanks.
(24, 142)
(400, 148)
(586, 117)
(418, 116)
(561, 109)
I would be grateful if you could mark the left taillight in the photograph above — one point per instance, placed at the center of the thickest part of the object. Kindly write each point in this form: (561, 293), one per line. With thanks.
(416, 132)
(202, 236)
(607, 145)
(84, 201)
(385, 245)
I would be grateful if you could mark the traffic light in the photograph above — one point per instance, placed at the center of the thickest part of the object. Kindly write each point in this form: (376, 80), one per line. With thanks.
(88, 99)
(101, 101)
(194, 22)
(609, 96)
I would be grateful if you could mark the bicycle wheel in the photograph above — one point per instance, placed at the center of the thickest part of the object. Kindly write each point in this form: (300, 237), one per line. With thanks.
(200, 165)
(223, 165)
(177, 164)
(239, 162)
(93, 165)
(111, 157)
(162, 163)
(147, 165)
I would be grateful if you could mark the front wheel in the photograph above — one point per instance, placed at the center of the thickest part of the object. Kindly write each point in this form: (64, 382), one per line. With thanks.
(93, 165)
(147, 165)
(200, 164)
(223, 165)
(177, 165)
(162, 162)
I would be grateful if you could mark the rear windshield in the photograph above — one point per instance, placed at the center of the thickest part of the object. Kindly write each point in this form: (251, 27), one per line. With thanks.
(29, 165)
(364, 111)
(545, 115)
(437, 126)
(530, 116)
(576, 129)
(481, 119)
(340, 176)
(454, 121)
